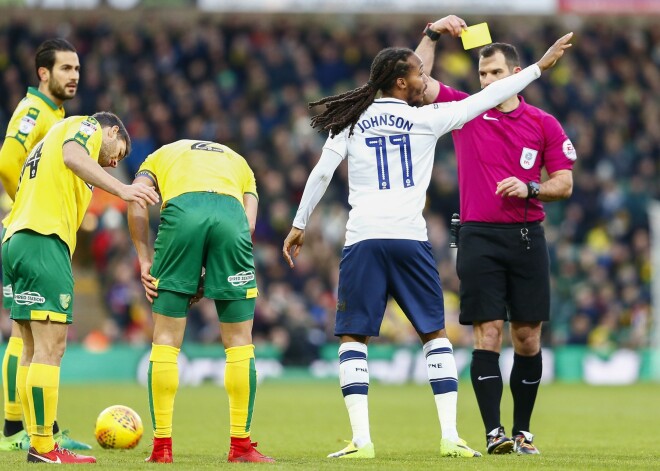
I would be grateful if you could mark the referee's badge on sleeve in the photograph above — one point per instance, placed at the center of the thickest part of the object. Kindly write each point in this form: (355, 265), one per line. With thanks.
(569, 150)
(528, 157)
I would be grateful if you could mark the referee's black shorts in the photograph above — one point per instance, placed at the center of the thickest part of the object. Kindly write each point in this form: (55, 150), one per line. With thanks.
(500, 278)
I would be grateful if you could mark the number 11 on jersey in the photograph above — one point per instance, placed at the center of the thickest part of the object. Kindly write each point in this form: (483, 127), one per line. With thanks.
(380, 145)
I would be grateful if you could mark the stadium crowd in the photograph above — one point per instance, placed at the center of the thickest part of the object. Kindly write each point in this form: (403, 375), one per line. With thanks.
(246, 83)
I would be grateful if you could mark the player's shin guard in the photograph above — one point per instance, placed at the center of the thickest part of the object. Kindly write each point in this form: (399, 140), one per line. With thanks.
(354, 382)
(43, 384)
(10, 362)
(443, 377)
(163, 379)
(241, 386)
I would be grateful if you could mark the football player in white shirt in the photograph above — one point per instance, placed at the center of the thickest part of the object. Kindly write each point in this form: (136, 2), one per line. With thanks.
(390, 143)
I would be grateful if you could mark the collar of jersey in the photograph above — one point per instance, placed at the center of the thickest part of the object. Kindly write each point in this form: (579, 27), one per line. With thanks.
(511, 114)
(392, 100)
(35, 91)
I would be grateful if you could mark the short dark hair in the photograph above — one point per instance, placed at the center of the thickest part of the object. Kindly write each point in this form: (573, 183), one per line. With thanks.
(107, 119)
(509, 52)
(45, 55)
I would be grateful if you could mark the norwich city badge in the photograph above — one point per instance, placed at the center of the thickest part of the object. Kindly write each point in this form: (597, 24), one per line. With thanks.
(65, 300)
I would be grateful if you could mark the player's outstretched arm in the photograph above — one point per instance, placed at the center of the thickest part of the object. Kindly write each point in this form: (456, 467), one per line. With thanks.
(555, 52)
(501, 90)
(76, 158)
(452, 25)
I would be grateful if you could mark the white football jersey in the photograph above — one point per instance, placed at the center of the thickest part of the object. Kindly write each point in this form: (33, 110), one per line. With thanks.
(390, 160)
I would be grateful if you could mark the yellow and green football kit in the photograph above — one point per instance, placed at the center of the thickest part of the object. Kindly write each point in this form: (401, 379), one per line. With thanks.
(32, 119)
(50, 204)
(37, 246)
(203, 224)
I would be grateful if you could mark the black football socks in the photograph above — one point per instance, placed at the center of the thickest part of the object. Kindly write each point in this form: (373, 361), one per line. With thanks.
(525, 380)
(487, 384)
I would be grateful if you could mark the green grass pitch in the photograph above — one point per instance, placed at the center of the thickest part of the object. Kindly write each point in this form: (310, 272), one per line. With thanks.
(577, 427)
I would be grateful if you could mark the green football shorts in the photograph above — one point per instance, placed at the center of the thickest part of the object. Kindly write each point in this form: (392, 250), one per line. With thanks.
(172, 304)
(204, 230)
(38, 267)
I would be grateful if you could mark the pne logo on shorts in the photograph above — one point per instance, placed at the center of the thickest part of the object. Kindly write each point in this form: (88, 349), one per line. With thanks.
(241, 278)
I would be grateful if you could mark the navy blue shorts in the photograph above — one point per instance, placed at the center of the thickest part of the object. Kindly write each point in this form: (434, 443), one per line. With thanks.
(372, 270)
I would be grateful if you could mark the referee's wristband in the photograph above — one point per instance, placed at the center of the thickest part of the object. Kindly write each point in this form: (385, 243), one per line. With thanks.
(433, 35)
(533, 190)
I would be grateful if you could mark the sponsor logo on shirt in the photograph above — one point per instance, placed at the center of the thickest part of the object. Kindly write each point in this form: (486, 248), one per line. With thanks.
(489, 118)
(569, 150)
(241, 278)
(28, 298)
(7, 292)
(528, 157)
(87, 128)
(27, 124)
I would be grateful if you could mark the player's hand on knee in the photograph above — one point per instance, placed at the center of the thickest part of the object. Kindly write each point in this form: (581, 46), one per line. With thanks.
(200, 291)
(148, 281)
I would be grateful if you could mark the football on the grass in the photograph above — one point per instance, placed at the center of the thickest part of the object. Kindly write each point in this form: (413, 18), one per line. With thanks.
(118, 427)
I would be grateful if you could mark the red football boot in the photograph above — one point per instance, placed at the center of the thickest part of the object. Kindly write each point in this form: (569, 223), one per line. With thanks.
(58, 456)
(162, 451)
(242, 450)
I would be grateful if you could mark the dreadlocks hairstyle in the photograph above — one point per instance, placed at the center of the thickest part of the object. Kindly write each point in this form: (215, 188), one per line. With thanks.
(345, 109)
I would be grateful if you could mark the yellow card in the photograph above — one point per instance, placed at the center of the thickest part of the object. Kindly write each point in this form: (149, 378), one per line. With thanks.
(475, 36)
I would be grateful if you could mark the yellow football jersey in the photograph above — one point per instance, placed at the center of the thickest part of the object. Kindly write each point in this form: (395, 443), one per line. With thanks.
(51, 199)
(32, 119)
(188, 166)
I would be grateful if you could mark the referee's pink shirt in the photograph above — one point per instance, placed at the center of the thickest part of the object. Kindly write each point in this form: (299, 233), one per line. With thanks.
(496, 145)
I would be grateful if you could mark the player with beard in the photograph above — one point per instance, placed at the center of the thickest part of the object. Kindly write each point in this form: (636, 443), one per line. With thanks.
(58, 70)
(54, 192)
(502, 259)
(389, 143)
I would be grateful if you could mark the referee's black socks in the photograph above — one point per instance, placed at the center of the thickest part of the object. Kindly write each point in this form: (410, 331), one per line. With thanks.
(525, 379)
(487, 384)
